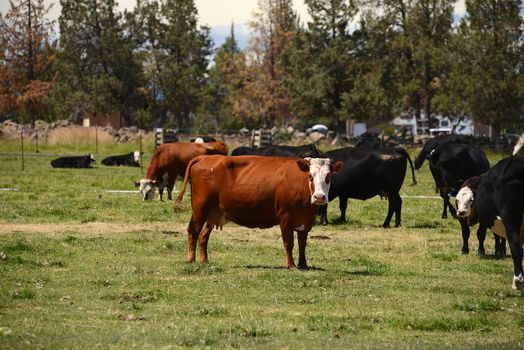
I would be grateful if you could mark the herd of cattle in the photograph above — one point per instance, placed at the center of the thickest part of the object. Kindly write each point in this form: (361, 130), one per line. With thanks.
(290, 185)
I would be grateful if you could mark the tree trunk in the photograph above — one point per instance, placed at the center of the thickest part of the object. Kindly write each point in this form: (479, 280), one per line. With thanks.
(495, 136)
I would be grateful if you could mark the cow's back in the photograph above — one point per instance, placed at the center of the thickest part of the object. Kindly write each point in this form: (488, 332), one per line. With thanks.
(174, 157)
(256, 191)
(367, 172)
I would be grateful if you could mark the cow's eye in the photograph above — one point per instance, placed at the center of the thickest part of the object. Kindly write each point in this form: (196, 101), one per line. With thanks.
(328, 178)
(310, 177)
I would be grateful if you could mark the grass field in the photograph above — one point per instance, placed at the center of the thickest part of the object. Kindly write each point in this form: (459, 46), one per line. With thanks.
(83, 268)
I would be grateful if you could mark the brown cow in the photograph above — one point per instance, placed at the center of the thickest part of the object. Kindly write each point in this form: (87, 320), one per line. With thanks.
(255, 191)
(169, 161)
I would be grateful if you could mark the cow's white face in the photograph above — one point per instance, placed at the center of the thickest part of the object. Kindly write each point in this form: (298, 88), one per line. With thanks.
(464, 201)
(320, 179)
(147, 189)
(136, 155)
(199, 140)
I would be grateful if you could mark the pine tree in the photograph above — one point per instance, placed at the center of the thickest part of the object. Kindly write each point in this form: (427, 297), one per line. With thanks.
(175, 53)
(327, 47)
(99, 73)
(26, 56)
(491, 34)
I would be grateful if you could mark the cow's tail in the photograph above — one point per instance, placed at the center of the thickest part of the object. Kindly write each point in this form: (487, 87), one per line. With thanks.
(406, 154)
(519, 145)
(178, 201)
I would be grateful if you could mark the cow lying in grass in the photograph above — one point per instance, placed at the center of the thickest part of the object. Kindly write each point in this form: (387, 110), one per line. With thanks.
(73, 162)
(128, 159)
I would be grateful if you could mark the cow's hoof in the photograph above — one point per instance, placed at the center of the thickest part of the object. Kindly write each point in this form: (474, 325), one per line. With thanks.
(291, 267)
(303, 267)
(444, 216)
(465, 251)
(481, 252)
(518, 282)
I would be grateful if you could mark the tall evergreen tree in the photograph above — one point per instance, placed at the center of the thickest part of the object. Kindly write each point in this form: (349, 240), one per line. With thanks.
(328, 48)
(492, 37)
(223, 85)
(99, 73)
(419, 32)
(26, 57)
(175, 53)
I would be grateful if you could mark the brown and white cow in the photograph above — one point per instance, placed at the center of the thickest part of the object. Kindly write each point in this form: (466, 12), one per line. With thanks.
(169, 161)
(255, 191)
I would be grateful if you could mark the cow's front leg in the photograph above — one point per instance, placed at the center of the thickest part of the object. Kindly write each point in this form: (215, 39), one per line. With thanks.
(444, 214)
(287, 239)
(302, 242)
(170, 187)
(465, 236)
(343, 205)
(322, 214)
(481, 236)
(512, 222)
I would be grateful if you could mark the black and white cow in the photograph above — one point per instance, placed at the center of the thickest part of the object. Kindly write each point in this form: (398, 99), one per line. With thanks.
(128, 159)
(499, 196)
(73, 162)
(451, 164)
(279, 151)
(468, 217)
(368, 172)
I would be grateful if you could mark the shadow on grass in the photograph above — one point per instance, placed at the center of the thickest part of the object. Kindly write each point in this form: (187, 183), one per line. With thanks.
(494, 257)
(264, 267)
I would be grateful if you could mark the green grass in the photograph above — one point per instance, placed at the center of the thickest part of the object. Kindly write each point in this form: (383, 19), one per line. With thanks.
(84, 268)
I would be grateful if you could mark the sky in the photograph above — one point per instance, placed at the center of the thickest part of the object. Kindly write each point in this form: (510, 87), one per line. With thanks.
(219, 14)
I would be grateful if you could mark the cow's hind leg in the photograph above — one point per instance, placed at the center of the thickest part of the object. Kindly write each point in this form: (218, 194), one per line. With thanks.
(203, 239)
(302, 242)
(193, 231)
(500, 247)
(394, 206)
(444, 214)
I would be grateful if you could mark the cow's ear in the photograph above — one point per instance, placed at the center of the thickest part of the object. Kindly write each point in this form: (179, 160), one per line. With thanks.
(337, 167)
(137, 183)
(303, 164)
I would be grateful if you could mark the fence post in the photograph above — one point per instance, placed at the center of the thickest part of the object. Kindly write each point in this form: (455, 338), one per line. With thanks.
(22, 144)
(140, 150)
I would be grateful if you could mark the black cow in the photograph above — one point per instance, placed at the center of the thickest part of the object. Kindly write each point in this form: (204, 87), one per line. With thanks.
(73, 162)
(466, 196)
(451, 164)
(279, 151)
(128, 159)
(499, 196)
(432, 144)
(368, 172)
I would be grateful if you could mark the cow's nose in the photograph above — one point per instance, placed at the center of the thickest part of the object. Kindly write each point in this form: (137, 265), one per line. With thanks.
(319, 197)
(461, 213)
